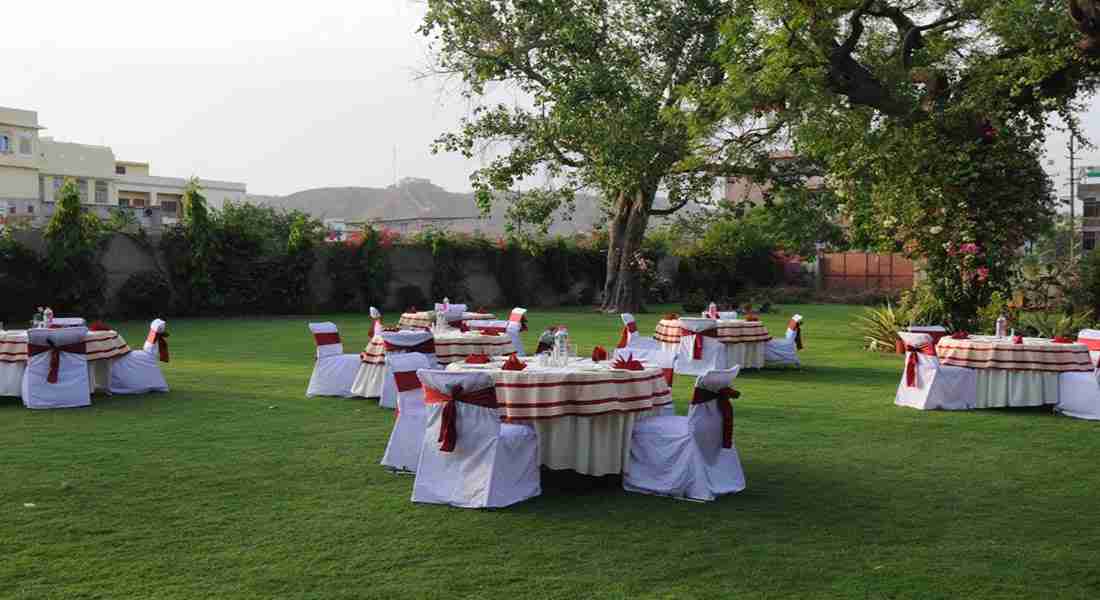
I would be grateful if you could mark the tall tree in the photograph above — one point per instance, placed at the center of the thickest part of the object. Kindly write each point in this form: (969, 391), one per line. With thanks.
(604, 106)
(926, 116)
(72, 237)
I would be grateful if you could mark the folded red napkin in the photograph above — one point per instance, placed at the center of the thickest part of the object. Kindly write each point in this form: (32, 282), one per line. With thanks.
(671, 316)
(599, 354)
(959, 335)
(751, 317)
(514, 364)
(99, 326)
(1017, 339)
(477, 359)
(1063, 340)
(630, 364)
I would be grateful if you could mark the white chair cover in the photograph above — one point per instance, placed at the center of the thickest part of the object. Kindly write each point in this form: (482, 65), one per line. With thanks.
(493, 464)
(72, 386)
(334, 373)
(376, 326)
(1091, 338)
(683, 456)
(515, 329)
(633, 339)
(11, 376)
(784, 352)
(714, 351)
(139, 371)
(403, 449)
(402, 342)
(1078, 396)
(727, 315)
(937, 386)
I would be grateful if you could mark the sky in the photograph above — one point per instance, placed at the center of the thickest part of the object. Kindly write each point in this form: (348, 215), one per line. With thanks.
(281, 96)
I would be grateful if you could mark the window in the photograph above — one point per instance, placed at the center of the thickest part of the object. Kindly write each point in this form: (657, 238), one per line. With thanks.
(120, 169)
(101, 192)
(5, 143)
(137, 202)
(168, 206)
(1088, 240)
(1091, 208)
(25, 144)
(82, 186)
(30, 209)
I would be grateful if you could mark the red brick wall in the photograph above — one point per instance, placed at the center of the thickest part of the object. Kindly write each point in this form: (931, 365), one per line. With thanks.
(863, 271)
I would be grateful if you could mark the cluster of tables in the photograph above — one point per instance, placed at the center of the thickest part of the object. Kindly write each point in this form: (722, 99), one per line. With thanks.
(100, 348)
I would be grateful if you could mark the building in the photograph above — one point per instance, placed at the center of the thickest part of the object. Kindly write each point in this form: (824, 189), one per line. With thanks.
(745, 190)
(1088, 192)
(33, 169)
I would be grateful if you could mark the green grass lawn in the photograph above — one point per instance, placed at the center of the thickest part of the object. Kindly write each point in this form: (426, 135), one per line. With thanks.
(235, 485)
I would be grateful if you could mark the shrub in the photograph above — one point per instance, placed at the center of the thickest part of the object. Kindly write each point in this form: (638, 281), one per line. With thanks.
(145, 294)
(1049, 324)
(878, 328)
(23, 270)
(695, 302)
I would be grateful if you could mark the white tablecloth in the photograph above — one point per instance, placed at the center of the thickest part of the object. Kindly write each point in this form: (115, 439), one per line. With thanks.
(584, 413)
(745, 341)
(449, 347)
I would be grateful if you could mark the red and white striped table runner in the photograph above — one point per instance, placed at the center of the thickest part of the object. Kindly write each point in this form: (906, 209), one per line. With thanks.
(729, 332)
(1035, 354)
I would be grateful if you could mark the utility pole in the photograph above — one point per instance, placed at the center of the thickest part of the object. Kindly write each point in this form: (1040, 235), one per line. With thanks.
(1072, 196)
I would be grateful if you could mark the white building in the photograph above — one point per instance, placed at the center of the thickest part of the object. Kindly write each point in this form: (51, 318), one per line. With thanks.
(1088, 192)
(33, 169)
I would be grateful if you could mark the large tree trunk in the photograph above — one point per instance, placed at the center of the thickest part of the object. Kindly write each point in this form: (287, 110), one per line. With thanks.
(622, 290)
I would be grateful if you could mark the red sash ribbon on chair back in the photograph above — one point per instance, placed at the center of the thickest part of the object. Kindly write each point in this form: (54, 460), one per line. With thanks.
(162, 344)
(55, 355)
(697, 345)
(448, 427)
(624, 337)
(521, 318)
(326, 339)
(723, 397)
(911, 363)
(670, 375)
(425, 347)
(406, 380)
(796, 327)
(1092, 343)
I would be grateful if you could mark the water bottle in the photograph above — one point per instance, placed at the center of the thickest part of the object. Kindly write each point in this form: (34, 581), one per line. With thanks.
(561, 346)
(446, 304)
(47, 316)
(1002, 324)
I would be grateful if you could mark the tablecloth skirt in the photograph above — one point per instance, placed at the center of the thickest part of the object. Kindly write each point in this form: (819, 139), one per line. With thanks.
(1000, 388)
(368, 381)
(749, 355)
(11, 377)
(596, 445)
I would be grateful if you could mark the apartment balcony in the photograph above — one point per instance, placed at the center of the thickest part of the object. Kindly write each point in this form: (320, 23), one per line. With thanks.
(1090, 223)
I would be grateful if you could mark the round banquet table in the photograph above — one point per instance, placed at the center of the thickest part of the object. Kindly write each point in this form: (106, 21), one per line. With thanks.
(584, 413)
(426, 318)
(449, 347)
(101, 347)
(745, 340)
(1010, 374)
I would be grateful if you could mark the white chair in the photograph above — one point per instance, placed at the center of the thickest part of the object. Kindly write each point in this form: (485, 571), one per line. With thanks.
(376, 326)
(399, 342)
(403, 449)
(727, 315)
(57, 369)
(1091, 338)
(700, 352)
(630, 338)
(928, 385)
(460, 308)
(469, 458)
(517, 325)
(689, 457)
(661, 359)
(784, 352)
(139, 372)
(334, 373)
(11, 370)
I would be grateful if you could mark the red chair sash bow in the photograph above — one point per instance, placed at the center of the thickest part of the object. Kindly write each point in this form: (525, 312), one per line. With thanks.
(1093, 344)
(321, 339)
(425, 347)
(697, 343)
(670, 375)
(162, 344)
(1062, 340)
(796, 327)
(911, 363)
(624, 337)
(55, 356)
(406, 380)
(448, 427)
(723, 397)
